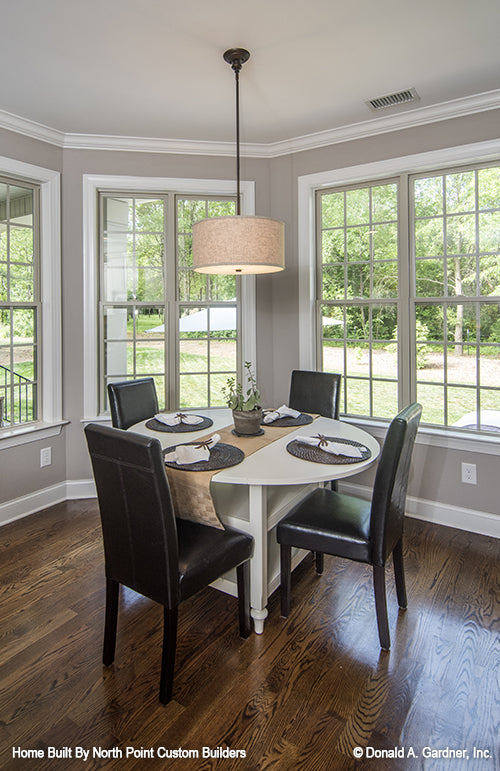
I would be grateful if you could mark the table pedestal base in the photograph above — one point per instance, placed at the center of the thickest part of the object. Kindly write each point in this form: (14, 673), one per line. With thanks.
(259, 616)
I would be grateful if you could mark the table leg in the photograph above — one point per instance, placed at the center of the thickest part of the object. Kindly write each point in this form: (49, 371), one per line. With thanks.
(258, 563)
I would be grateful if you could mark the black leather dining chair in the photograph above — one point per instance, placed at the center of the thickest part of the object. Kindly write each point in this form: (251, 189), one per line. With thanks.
(316, 392)
(131, 401)
(327, 522)
(150, 551)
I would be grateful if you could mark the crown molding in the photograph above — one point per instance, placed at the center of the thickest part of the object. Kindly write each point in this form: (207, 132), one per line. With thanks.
(410, 118)
(30, 128)
(417, 116)
(146, 145)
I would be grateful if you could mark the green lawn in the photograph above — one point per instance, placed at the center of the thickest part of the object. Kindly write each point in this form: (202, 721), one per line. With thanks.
(461, 372)
(143, 322)
(149, 360)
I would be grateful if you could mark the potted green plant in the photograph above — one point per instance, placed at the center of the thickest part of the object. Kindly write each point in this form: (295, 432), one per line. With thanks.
(244, 402)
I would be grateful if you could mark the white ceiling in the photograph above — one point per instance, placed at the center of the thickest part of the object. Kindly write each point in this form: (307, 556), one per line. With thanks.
(154, 68)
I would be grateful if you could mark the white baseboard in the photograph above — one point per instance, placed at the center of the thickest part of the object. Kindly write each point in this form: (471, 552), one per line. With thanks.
(80, 488)
(481, 522)
(48, 496)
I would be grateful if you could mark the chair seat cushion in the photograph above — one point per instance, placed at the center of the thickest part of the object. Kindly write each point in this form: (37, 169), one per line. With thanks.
(205, 553)
(330, 523)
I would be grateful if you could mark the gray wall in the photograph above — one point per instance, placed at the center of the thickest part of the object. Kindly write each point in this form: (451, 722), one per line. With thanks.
(436, 471)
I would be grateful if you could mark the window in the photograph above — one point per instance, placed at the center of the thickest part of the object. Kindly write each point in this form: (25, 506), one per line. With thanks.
(96, 187)
(19, 303)
(456, 308)
(31, 309)
(358, 294)
(408, 294)
(158, 317)
(207, 314)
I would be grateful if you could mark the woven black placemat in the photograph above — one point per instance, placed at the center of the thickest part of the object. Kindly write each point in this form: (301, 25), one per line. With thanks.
(317, 455)
(301, 420)
(180, 428)
(221, 456)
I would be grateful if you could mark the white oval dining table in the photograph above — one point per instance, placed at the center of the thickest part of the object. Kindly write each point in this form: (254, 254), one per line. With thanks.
(257, 493)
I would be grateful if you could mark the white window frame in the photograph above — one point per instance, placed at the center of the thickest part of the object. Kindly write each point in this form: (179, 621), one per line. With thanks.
(307, 187)
(51, 421)
(92, 184)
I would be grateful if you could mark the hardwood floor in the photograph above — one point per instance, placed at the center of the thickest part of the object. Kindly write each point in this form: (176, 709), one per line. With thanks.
(300, 696)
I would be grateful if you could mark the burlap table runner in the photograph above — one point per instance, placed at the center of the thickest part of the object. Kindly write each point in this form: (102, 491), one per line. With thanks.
(191, 489)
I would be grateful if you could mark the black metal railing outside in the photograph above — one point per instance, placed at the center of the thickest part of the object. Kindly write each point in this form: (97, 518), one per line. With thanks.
(22, 395)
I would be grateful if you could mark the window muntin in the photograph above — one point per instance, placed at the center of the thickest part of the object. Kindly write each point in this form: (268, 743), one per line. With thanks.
(19, 303)
(158, 317)
(456, 311)
(358, 293)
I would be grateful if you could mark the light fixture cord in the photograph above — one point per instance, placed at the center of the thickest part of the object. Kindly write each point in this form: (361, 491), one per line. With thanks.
(236, 65)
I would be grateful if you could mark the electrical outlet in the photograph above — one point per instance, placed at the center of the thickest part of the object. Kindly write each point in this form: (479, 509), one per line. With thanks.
(45, 456)
(469, 476)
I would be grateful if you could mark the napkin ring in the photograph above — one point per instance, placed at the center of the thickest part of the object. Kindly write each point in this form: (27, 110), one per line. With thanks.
(205, 445)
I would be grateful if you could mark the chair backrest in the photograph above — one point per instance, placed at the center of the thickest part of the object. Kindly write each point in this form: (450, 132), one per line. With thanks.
(316, 392)
(137, 517)
(132, 401)
(391, 483)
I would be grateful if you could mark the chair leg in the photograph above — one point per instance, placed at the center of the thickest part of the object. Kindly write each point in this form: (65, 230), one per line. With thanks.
(243, 581)
(381, 606)
(399, 574)
(318, 558)
(286, 578)
(168, 653)
(112, 591)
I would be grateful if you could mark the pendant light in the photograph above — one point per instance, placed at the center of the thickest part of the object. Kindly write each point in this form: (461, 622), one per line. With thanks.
(238, 244)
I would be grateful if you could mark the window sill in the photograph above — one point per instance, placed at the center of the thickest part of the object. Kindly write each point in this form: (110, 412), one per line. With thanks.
(106, 417)
(98, 419)
(433, 436)
(12, 437)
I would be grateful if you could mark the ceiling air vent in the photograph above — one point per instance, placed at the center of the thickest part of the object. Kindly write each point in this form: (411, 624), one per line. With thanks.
(393, 100)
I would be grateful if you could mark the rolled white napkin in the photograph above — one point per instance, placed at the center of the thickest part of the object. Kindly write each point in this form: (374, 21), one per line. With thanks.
(336, 448)
(282, 412)
(174, 418)
(184, 454)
